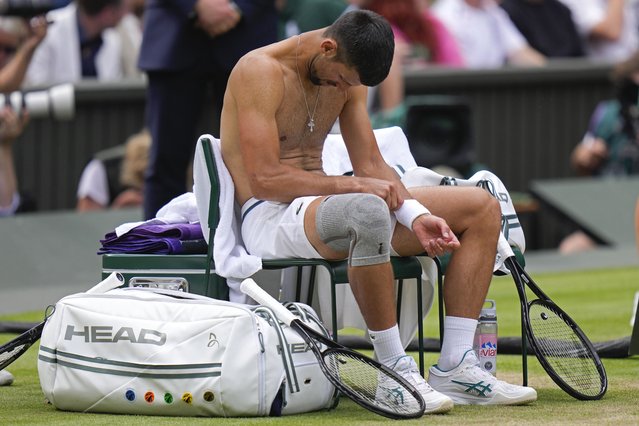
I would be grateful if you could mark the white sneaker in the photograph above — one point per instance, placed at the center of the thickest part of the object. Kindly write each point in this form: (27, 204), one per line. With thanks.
(468, 384)
(6, 378)
(407, 368)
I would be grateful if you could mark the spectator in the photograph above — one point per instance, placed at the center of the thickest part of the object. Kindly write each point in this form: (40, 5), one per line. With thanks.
(608, 27)
(188, 52)
(306, 15)
(87, 24)
(97, 190)
(610, 146)
(129, 30)
(11, 126)
(485, 34)
(547, 25)
(18, 41)
(421, 40)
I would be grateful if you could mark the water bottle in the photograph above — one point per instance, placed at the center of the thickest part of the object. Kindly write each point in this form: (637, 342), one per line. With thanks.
(486, 337)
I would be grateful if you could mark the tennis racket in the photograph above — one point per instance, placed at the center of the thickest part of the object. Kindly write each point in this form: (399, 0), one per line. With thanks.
(364, 380)
(14, 349)
(561, 347)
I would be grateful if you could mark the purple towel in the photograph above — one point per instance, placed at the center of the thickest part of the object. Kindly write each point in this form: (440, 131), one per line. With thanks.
(180, 238)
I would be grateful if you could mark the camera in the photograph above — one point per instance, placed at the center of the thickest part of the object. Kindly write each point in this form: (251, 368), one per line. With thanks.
(57, 102)
(29, 8)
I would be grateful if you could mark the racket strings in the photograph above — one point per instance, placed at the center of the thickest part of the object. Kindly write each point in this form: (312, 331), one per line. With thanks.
(373, 385)
(564, 351)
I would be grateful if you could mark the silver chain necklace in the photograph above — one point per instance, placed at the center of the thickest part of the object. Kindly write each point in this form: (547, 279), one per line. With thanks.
(311, 117)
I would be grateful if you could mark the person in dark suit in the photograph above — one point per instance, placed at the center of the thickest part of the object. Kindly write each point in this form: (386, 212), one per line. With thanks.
(188, 50)
(547, 25)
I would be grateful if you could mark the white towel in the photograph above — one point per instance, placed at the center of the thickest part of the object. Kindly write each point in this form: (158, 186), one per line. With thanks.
(181, 209)
(392, 143)
(232, 261)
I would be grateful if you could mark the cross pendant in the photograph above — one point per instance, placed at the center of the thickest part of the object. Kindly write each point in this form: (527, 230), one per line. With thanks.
(311, 124)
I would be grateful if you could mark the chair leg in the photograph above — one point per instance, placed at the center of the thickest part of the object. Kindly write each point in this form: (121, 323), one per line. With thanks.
(333, 308)
(311, 286)
(524, 351)
(420, 327)
(440, 300)
(398, 305)
(298, 289)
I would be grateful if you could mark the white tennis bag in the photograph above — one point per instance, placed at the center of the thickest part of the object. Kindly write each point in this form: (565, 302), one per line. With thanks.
(162, 352)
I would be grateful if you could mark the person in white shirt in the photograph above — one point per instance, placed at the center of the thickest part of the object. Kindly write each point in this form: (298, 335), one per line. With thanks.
(80, 44)
(608, 27)
(485, 34)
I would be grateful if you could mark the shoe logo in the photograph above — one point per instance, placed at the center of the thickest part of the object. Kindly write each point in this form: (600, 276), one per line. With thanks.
(395, 395)
(479, 388)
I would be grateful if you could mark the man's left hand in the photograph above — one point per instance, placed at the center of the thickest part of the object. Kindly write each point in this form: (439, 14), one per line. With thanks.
(435, 235)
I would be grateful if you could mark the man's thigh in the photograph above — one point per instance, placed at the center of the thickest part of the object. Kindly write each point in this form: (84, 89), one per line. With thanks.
(458, 206)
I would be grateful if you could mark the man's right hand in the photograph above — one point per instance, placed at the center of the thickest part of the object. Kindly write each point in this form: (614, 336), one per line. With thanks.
(387, 190)
(216, 17)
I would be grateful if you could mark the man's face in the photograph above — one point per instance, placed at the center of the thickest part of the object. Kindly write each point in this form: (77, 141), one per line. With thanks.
(329, 72)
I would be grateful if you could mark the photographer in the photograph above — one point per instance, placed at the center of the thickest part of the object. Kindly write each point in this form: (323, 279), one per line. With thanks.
(18, 41)
(610, 147)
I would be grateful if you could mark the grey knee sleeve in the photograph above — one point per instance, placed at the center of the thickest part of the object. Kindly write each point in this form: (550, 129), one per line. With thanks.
(357, 223)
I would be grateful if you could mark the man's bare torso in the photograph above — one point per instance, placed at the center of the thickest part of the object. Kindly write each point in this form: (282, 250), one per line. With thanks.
(299, 147)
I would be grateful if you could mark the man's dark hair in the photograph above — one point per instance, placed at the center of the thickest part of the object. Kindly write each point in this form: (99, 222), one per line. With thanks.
(365, 42)
(93, 7)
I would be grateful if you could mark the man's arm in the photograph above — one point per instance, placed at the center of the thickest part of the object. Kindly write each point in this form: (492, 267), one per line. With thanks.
(433, 232)
(610, 27)
(257, 91)
(362, 146)
(13, 74)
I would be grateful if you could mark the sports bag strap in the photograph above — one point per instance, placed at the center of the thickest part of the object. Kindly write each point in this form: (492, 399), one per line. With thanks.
(287, 357)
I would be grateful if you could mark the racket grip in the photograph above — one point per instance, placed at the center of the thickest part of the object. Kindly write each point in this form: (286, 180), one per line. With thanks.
(109, 283)
(257, 293)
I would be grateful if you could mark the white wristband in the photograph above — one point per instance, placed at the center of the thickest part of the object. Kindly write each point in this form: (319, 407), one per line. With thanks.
(409, 211)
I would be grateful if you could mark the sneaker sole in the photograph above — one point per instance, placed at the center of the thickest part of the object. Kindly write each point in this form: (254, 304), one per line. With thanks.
(445, 407)
(498, 399)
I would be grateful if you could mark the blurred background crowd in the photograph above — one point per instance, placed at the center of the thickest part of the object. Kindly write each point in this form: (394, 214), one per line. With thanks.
(179, 53)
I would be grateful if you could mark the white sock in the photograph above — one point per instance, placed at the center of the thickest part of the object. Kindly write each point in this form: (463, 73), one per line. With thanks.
(388, 346)
(459, 334)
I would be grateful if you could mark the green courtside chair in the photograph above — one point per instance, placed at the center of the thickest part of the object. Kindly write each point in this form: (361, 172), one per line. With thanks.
(403, 267)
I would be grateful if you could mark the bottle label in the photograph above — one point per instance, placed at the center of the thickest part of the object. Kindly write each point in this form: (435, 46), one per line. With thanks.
(487, 352)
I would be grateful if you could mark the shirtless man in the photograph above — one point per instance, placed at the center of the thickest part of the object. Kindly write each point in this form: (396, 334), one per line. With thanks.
(280, 104)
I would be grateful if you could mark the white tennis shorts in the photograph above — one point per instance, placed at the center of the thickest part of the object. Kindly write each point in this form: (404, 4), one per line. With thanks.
(273, 230)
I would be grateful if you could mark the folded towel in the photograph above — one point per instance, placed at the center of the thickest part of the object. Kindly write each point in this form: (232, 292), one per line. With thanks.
(177, 238)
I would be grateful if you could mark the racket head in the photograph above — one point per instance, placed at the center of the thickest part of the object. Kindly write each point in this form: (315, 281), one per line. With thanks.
(14, 349)
(565, 352)
(364, 380)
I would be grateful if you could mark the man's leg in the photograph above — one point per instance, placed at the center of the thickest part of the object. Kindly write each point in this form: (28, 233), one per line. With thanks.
(475, 217)
(358, 226)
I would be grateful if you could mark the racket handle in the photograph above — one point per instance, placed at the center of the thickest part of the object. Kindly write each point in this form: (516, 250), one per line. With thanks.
(109, 283)
(257, 293)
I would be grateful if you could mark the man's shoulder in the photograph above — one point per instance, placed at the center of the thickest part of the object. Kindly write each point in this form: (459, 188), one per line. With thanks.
(259, 63)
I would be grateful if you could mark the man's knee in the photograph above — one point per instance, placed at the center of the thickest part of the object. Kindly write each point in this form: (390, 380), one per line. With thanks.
(359, 224)
(490, 208)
